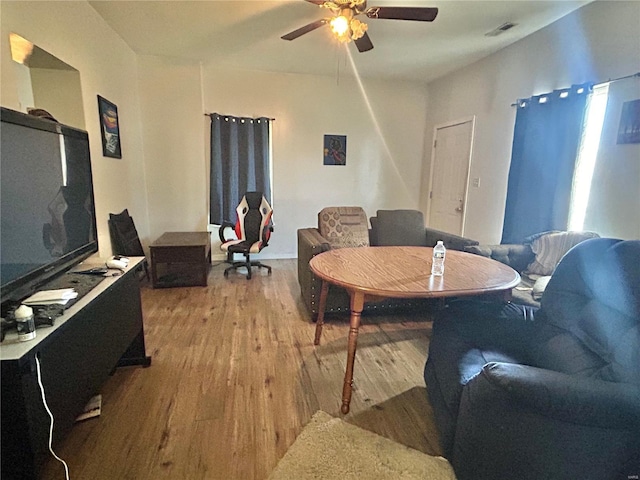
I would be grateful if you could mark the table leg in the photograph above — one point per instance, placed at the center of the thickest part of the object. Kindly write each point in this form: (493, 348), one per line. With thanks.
(357, 304)
(321, 306)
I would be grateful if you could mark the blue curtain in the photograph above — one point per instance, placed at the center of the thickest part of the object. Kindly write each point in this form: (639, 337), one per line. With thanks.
(240, 161)
(546, 140)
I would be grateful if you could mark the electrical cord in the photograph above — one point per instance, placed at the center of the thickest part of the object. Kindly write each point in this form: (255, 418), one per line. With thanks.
(46, 407)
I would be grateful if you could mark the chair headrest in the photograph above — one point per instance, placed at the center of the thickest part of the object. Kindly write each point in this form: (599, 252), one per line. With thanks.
(254, 199)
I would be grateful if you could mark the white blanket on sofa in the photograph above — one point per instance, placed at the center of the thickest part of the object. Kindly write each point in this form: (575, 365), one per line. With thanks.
(549, 250)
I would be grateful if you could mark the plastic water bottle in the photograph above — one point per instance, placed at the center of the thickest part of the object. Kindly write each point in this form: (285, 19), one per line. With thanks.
(24, 323)
(437, 265)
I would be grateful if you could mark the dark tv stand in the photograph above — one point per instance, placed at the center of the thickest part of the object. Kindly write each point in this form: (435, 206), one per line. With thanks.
(101, 331)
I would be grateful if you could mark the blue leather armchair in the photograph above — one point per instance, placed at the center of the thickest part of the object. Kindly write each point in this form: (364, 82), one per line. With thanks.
(549, 393)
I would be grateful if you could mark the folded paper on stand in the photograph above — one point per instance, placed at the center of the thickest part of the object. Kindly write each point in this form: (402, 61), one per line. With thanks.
(47, 297)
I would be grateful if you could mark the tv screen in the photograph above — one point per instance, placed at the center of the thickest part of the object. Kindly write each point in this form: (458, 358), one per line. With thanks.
(47, 206)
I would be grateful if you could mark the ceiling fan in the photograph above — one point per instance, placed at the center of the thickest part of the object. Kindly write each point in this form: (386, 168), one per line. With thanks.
(346, 27)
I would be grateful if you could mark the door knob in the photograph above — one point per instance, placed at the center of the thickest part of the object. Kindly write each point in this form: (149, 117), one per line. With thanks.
(459, 208)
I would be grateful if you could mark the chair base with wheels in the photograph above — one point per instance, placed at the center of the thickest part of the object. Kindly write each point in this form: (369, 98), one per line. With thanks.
(247, 264)
(253, 229)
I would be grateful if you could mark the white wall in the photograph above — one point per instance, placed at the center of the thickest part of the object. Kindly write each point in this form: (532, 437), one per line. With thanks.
(59, 91)
(383, 122)
(174, 153)
(77, 35)
(22, 82)
(614, 202)
(595, 43)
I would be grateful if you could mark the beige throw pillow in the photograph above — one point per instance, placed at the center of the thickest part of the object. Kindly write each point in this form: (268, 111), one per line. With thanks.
(344, 226)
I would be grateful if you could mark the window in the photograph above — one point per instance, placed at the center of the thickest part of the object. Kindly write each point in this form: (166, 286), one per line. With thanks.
(587, 154)
(240, 163)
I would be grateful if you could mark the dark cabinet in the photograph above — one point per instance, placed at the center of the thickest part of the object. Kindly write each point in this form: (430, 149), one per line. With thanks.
(92, 339)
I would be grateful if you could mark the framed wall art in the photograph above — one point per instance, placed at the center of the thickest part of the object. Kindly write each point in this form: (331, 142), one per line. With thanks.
(109, 128)
(335, 150)
(629, 128)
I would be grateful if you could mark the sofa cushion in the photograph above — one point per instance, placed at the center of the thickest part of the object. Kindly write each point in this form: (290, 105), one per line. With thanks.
(400, 227)
(551, 247)
(344, 226)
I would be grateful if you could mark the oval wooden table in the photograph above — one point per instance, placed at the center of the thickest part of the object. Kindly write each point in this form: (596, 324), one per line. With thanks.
(376, 273)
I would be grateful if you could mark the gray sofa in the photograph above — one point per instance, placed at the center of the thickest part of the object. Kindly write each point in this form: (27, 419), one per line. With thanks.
(535, 260)
(347, 226)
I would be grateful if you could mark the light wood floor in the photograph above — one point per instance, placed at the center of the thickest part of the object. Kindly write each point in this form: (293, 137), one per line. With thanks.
(235, 377)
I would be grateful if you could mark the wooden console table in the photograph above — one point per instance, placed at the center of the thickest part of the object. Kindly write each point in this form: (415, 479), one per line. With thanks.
(185, 256)
(376, 273)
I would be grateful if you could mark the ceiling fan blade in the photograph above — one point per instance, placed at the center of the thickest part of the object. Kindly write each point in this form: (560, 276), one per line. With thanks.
(302, 30)
(364, 43)
(421, 14)
(316, 2)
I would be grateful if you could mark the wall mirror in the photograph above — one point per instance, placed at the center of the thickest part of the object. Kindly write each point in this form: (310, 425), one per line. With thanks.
(46, 82)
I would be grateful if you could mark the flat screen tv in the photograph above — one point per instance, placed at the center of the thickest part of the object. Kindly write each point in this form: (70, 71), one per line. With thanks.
(47, 208)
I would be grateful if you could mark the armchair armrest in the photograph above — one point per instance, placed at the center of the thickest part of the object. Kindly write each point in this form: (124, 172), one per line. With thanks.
(451, 241)
(517, 256)
(221, 230)
(266, 234)
(517, 421)
(568, 398)
(310, 244)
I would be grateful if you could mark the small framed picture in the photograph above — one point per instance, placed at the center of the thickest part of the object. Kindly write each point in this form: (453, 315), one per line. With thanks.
(629, 128)
(335, 150)
(109, 128)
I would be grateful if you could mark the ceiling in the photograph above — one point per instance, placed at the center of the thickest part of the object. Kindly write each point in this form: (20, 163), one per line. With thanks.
(246, 34)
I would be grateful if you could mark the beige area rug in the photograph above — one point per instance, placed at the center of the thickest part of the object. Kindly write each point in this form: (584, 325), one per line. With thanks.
(329, 448)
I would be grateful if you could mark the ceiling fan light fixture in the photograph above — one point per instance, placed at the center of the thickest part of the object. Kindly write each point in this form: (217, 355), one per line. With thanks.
(358, 29)
(340, 26)
(346, 28)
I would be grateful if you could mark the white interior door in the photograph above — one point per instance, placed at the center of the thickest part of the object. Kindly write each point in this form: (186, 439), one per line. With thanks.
(450, 159)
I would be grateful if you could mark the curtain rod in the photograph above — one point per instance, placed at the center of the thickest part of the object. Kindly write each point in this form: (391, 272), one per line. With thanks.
(209, 114)
(600, 83)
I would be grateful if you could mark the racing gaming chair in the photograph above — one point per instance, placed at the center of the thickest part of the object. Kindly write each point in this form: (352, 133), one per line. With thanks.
(253, 228)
